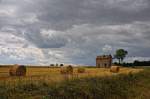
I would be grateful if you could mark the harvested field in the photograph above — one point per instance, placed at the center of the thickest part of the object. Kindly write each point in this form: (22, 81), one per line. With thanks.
(49, 83)
(53, 74)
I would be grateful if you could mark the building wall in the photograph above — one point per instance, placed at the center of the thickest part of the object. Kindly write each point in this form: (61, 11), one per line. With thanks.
(104, 61)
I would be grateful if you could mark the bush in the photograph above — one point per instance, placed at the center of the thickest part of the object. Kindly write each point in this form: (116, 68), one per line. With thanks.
(61, 64)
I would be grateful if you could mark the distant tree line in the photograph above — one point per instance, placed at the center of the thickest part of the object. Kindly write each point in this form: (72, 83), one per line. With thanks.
(135, 63)
(56, 65)
(141, 63)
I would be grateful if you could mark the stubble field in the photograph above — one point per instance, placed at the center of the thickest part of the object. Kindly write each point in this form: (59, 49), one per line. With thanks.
(95, 83)
(52, 74)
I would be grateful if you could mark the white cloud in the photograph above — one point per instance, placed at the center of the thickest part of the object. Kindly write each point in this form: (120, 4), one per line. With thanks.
(107, 49)
(29, 18)
(6, 11)
(132, 59)
(48, 33)
(12, 41)
(24, 54)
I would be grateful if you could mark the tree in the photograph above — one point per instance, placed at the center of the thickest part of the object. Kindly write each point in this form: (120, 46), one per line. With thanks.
(120, 54)
(56, 65)
(51, 64)
(61, 65)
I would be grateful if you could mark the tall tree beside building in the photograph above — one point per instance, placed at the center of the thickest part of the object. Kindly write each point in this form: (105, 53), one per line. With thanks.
(120, 55)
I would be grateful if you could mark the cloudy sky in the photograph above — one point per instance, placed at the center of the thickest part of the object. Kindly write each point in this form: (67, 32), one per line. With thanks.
(72, 31)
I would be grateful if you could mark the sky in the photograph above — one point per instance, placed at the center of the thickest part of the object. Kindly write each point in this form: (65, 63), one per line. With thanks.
(72, 31)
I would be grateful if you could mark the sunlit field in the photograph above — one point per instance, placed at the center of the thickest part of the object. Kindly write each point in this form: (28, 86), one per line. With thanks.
(53, 74)
(49, 83)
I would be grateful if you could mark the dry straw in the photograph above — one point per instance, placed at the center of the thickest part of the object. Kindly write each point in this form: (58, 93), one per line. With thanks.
(17, 70)
(66, 70)
(114, 69)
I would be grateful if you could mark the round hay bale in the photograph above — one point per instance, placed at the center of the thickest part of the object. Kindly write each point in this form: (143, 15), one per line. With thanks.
(114, 69)
(17, 70)
(66, 70)
(81, 70)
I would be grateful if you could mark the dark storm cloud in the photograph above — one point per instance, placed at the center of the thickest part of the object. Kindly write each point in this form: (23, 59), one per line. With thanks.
(77, 28)
(62, 14)
(44, 40)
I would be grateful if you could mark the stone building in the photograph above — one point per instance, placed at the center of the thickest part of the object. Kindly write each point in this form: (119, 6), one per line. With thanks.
(104, 61)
